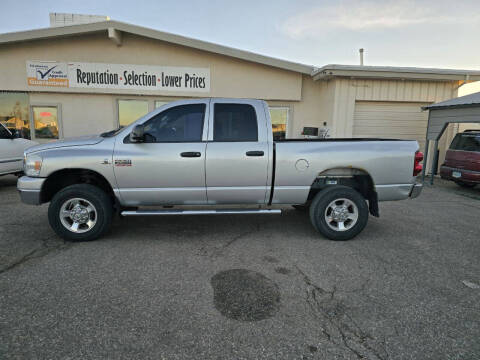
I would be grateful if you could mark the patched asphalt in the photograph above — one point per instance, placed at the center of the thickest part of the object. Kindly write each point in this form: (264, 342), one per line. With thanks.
(245, 286)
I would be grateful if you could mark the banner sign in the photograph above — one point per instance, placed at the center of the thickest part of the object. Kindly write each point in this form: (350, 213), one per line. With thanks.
(118, 76)
(47, 73)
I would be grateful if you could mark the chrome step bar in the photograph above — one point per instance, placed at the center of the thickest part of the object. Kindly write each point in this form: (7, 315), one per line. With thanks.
(199, 212)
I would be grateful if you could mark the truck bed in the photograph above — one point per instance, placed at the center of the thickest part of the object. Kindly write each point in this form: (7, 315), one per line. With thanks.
(298, 162)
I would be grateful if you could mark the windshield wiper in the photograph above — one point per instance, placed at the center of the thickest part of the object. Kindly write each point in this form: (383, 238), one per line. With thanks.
(111, 132)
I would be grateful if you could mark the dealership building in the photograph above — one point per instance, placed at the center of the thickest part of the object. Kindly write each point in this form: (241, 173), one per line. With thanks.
(81, 79)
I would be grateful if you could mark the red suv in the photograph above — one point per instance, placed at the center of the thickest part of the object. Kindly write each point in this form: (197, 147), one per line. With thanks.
(462, 162)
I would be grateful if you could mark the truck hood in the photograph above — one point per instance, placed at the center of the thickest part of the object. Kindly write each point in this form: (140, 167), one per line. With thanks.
(77, 141)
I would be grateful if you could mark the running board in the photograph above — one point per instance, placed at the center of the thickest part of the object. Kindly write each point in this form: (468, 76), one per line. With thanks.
(200, 212)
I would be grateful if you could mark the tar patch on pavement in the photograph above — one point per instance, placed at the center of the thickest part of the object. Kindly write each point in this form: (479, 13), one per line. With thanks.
(245, 295)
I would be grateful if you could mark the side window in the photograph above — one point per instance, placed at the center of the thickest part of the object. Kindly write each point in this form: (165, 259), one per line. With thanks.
(182, 123)
(4, 134)
(235, 122)
(455, 141)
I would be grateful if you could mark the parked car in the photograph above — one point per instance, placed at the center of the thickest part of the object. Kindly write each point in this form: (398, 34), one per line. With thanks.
(208, 152)
(462, 161)
(11, 151)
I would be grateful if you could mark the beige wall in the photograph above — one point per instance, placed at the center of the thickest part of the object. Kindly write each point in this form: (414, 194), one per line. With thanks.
(347, 91)
(313, 110)
(89, 111)
(230, 77)
(80, 114)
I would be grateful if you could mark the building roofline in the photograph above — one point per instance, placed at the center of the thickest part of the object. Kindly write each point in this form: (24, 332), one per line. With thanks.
(405, 73)
(324, 73)
(73, 30)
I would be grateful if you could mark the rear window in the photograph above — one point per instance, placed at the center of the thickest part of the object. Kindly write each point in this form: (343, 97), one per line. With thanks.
(466, 142)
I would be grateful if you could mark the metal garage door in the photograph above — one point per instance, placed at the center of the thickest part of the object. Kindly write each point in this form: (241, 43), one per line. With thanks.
(390, 120)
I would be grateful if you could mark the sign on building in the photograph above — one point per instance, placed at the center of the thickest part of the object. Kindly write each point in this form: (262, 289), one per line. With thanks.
(47, 73)
(118, 76)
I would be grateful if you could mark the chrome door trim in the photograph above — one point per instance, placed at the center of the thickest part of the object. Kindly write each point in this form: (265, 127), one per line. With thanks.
(10, 160)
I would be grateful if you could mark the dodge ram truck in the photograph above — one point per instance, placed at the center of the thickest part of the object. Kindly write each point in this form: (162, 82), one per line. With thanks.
(199, 156)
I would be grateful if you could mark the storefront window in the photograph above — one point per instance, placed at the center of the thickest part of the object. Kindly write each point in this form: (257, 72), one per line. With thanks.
(14, 113)
(45, 121)
(279, 116)
(159, 103)
(131, 110)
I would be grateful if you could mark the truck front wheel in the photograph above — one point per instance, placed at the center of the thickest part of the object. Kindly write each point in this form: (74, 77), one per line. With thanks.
(339, 213)
(80, 212)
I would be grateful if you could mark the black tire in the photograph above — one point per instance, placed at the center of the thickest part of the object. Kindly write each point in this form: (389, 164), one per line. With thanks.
(465, 185)
(98, 198)
(302, 208)
(322, 201)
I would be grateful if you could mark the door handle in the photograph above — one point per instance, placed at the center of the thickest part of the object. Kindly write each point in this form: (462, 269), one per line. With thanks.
(255, 153)
(190, 154)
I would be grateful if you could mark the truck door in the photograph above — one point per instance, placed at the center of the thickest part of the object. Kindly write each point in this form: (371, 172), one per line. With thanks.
(169, 166)
(237, 153)
(11, 151)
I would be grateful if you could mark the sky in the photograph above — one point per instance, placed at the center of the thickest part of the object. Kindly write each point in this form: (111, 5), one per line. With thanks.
(430, 33)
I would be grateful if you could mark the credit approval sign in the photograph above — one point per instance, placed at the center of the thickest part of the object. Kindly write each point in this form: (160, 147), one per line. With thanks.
(118, 76)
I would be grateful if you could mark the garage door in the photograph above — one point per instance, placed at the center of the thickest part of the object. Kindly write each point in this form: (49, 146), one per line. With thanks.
(390, 120)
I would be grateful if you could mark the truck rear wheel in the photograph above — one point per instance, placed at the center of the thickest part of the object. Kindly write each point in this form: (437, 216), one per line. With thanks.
(80, 212)
(339, 213)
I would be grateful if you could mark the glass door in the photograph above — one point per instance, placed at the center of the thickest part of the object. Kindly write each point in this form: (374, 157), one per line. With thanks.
(45, 123)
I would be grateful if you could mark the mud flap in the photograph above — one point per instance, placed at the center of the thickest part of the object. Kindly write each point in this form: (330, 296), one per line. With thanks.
(373, 204)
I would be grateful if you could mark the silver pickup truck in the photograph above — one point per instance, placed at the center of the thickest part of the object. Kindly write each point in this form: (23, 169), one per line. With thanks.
(199, 156)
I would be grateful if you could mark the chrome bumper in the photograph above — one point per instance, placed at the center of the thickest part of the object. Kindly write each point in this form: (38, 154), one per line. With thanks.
(29, 189)
(416, 190)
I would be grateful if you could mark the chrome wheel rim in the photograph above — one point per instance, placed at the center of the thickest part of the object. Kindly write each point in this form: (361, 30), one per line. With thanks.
(78, 215)
(341, 214)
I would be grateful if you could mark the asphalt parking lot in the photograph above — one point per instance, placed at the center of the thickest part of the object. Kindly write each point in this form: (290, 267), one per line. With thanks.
(245, 287)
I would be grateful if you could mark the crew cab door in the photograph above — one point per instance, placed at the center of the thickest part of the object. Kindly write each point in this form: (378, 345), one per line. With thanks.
(237, 153)
(169, 166)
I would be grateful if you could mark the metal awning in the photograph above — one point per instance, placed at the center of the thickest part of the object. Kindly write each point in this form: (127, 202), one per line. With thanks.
(464, 109)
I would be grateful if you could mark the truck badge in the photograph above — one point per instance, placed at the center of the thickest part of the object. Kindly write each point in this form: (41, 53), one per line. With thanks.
(123, 162)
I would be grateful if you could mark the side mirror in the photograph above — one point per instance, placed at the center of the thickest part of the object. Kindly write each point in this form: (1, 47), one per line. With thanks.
(15, 134)
(137, 135)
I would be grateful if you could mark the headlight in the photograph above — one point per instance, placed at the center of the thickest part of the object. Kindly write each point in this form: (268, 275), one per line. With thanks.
(33, 165)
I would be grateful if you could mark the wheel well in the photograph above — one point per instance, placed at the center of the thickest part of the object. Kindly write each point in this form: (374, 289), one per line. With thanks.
(357, 179)
(66, 177)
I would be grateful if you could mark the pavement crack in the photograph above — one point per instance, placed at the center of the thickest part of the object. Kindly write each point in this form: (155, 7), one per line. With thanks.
(43, 250)
(336, 324)
(235, 238)
(218, 250)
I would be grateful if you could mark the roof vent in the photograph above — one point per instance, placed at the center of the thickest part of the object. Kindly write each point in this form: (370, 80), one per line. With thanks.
(62, 19)
(361, 56)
